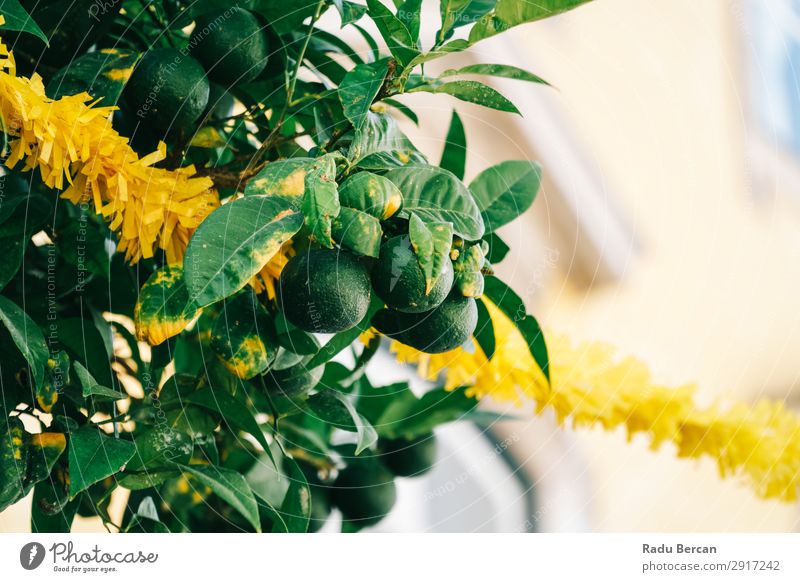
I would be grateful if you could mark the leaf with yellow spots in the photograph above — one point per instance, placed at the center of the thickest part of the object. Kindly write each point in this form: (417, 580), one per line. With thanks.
(320, 202)
(284, 178)
(101, 74)
(431, 243)
(234, 243)
(244, 336)
(372, 194)
(164, 308)
(25, 459)
(467, 267)
(57, 373)
(209, 138)
(357, 231)
(13, 461)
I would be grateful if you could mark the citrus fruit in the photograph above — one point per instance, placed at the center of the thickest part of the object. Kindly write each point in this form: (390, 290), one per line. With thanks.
(436, 331)
(231, 45)
(324, 291)
(399, 280)
(168, 89)
(364, 492)
(293, 382)
(409, 458)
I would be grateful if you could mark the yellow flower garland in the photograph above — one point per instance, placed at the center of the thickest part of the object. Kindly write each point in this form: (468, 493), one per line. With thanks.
(71, 142)
(72, 139)
(590, 386)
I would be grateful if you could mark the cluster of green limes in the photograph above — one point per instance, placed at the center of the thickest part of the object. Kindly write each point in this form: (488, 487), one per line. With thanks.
(328, 291)
(365, 490)
(171, 88)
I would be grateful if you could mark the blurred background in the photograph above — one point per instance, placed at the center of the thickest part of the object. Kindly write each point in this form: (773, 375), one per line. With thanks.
(668, 225)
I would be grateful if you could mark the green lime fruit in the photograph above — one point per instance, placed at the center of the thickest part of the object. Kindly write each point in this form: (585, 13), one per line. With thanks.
(399, 280)
(293, 382)
(364, 492)
(439, 330)
(324, 291)
(231, 44)
(168, 89)
(409, 458)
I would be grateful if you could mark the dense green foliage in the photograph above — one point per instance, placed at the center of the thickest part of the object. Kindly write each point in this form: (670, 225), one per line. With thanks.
(232, 418)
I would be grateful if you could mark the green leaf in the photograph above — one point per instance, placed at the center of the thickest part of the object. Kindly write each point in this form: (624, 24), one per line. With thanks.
(372, 194)
(84, 342)
(498, 249)
(484, 331)
(336, 408)
(28, 338)
(408, 13)
(296, 506)
(244, 337)
(404, 109)
(233, 413)
(396, 35)
(146, 479)
(431, 243)
(50, 511)
(511, 304)
(510, 13)
(234, 243)
(164, 308)
(101, 74)
(321, 199)
(472, 92)
(436, 195)
(357, 231)
(284, 178)
(503, 71)
(410, 417)
(454, 156)
(457, 13)
(93, 456)
(359, 88)
(349, 11)
(16, 18)
(505, 191)
(11, 259)
(158, 448)
(92, 388)
(146, 519)
(344, 339)
(231, 487)
(379, 144)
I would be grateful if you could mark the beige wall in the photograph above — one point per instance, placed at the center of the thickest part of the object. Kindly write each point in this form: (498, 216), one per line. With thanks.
(654, 87)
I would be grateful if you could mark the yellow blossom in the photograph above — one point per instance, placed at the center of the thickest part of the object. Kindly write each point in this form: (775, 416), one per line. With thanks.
(590, 385)
(73, 145)
(265, 280)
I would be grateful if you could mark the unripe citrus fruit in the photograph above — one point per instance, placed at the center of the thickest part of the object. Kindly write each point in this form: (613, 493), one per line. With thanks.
(168, 89)
(409, 458)
(324, 291)
(364, 492)
(439, 330)
(231, 45)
